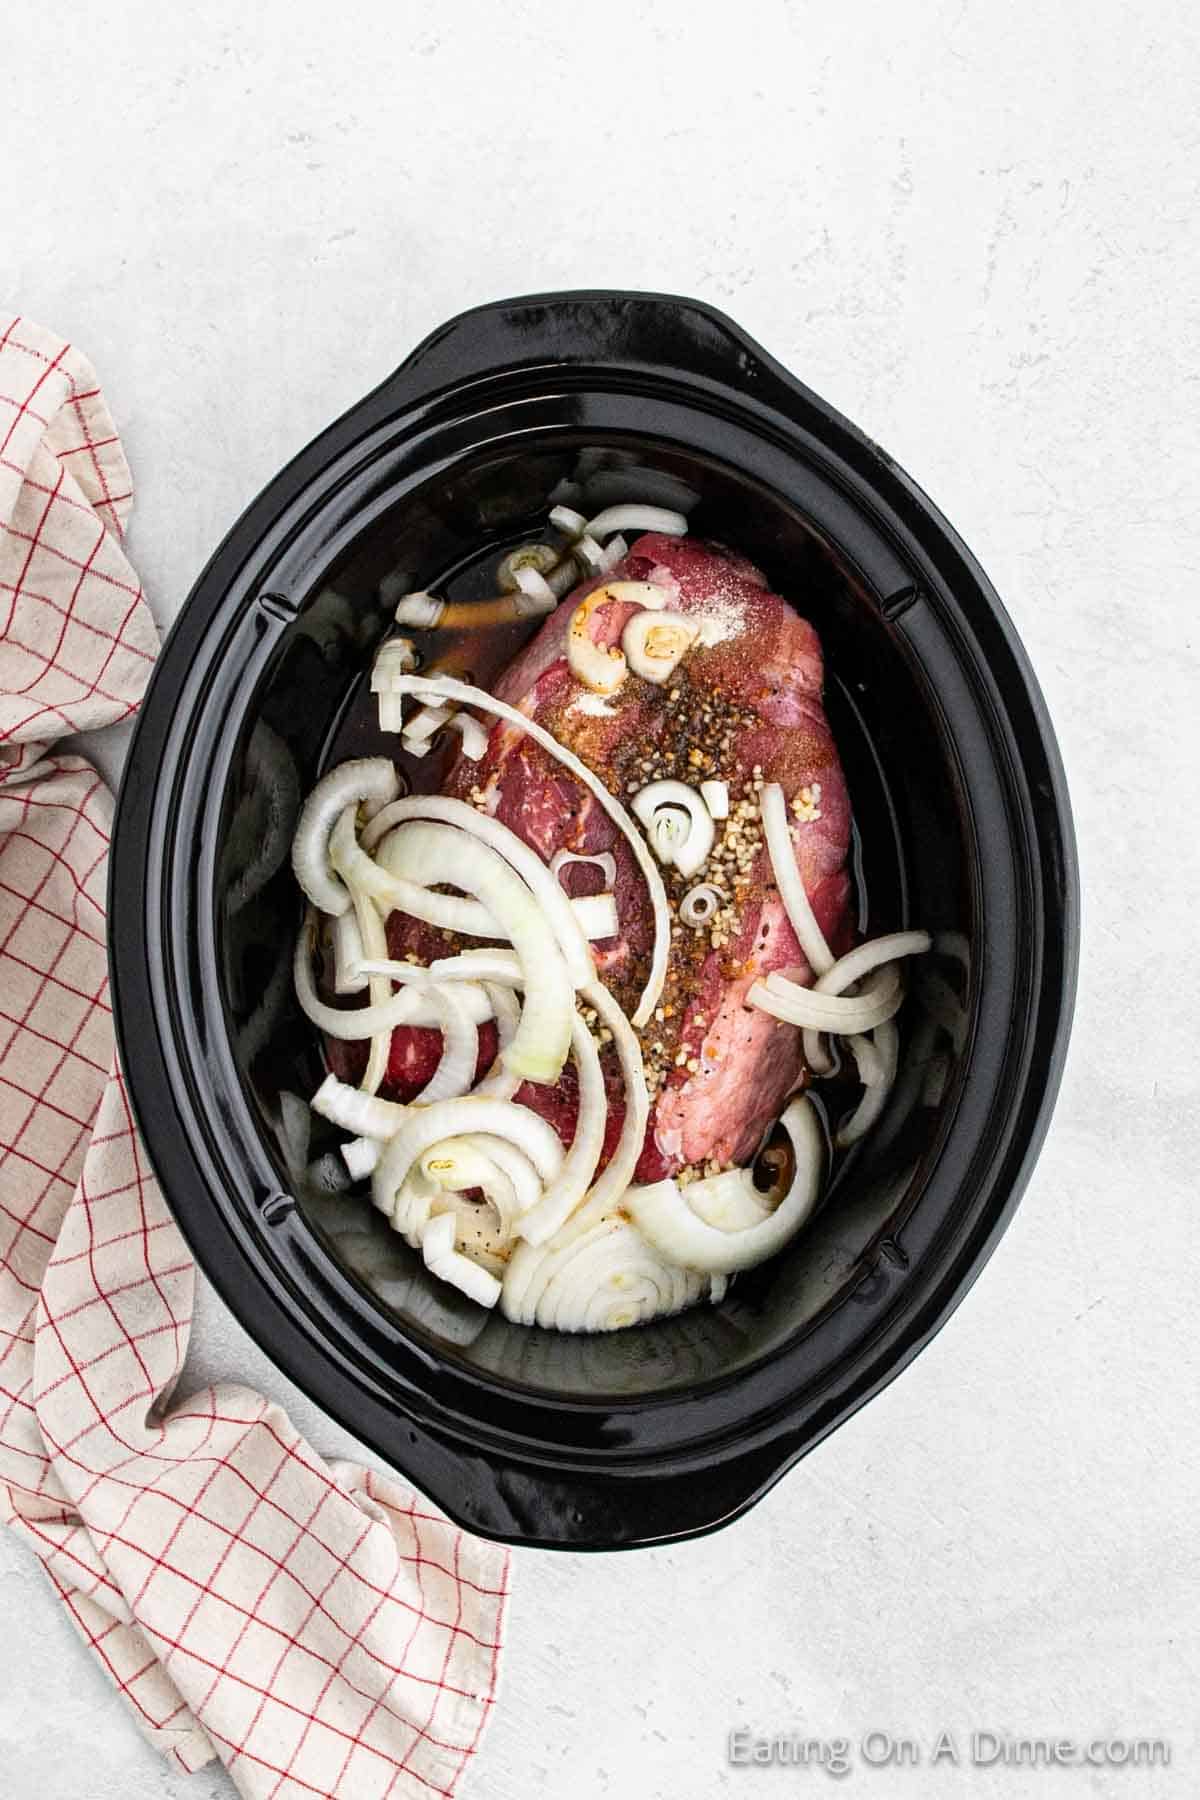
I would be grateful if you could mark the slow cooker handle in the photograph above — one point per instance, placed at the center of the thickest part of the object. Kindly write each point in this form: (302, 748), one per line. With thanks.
(605, 330)
(502, 1497)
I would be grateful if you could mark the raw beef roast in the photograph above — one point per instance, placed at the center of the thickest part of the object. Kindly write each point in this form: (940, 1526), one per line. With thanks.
(744, 708)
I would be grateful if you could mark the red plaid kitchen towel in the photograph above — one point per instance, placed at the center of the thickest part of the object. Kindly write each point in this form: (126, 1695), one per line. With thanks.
(315, 1626)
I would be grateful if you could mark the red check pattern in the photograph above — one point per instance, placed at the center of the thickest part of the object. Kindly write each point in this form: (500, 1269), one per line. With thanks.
(316, 1626)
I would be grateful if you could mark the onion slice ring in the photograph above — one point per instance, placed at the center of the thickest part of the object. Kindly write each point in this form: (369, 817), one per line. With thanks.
(369, 778)
(677, 1232)
(450, 688)
(537, 875)
(571, 1183)
(786, 870)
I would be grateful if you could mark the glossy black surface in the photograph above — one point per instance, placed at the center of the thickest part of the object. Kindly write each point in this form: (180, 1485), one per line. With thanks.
(963, 824)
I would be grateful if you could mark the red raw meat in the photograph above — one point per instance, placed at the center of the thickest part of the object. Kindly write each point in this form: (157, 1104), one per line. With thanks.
(760, 688)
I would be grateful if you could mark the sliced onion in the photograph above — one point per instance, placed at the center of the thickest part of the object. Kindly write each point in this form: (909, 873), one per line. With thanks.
(729, 1201)
(606, 1279)
(448, 687)
(421, 1010)
(597, 915)
(604, 860)
(435, 852)
(887, 1043)
(615, 551)
(361, 1155)
(851, 968)
(459, 1271)
(786, 870)
(368, 778)
(373, 938)
(700, 905)
(568, 1188)
(479, 965)
(428, 720)
(437, 1237)
(498, 837)
(409, 1206)
(839, 1013)
(392, 890)
(588, 553)
(500, 1082)
(637, 518)
(458, 1164)
(685, 847)
(715, 795)
(474, 736)
(348, 954)
(563, 576)
(355, 1111)
(535, 587)
(395, 656)
(656, 643)
(541, 558)
(420, 609)
(619, 1171)
(870, 1064)
(428, 1125)
(527, 1183)
(448, 1264)
(460, 1050)
(676, 1231)
(565, 519)
(351, 1023)
(600, 667)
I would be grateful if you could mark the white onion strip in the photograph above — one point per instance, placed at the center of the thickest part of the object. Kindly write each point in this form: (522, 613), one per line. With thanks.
(687, 847)
(887, 1043)
(460, 1050)
(597, 915)
(457, 1164)
(428, 1125)
(500, 1082)
(619, 1173)
(526, 1182)
(351, 1023)
(528, 864)
(391, 890)
(637, 518)
(782, 852)
(371, 778)
(839, 1013)
(379, 990)
(606, 1278)
(676, 1231)
(851, 968)
(483, 964)
(729, 1201)
(448, 1264)
(565, 1192)
(450, 688)
(360, 1156)
(348, 954)
(432, 851)
(355, 1111)
(474, 736)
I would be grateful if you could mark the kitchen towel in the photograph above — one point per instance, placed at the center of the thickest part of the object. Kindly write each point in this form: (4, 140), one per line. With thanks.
(316, 1626)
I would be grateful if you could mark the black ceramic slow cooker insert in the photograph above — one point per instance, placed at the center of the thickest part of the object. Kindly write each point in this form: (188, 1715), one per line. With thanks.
(962, 826)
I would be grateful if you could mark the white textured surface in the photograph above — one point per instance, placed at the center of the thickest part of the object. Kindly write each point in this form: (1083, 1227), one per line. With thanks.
(971, 227)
